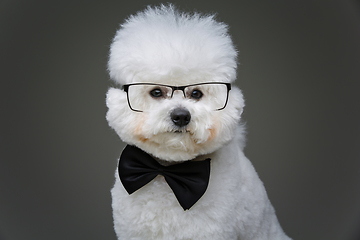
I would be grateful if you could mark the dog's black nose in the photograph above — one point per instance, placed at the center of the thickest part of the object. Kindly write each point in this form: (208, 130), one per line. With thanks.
(180, 117)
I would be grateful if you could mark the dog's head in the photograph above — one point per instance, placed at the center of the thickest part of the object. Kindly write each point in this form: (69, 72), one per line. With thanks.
(175, 72)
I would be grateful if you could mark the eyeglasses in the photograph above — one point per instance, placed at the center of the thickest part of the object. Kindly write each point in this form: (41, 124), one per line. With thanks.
(146, 96)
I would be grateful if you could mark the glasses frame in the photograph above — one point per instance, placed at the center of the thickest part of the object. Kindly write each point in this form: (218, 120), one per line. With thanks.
(175, 88)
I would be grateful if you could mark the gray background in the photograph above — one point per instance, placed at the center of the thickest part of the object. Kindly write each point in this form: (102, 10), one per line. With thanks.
(299, 71)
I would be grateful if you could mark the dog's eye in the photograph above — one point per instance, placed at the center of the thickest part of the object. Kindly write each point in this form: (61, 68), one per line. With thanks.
(156, 93)
(196, 94)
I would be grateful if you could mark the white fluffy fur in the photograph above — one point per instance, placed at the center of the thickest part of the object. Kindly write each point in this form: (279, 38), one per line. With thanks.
(161, 45)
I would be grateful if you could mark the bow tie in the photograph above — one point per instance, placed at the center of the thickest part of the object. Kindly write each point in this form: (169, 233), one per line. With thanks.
(188, 180)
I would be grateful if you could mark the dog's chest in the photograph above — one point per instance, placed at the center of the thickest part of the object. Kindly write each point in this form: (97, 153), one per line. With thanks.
(153, 212)
(156, 197)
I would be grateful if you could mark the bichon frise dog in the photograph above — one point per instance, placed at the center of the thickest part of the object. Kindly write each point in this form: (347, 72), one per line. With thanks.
(183, 174)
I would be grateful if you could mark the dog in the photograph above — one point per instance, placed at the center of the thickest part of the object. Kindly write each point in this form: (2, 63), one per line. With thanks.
(179, 113)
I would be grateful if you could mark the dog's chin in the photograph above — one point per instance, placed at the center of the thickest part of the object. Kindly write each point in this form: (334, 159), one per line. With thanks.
(174, 145)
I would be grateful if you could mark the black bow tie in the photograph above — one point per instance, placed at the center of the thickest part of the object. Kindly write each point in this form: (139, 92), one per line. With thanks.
(188, 180)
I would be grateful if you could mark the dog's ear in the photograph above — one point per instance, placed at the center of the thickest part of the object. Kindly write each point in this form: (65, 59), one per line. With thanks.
(114, 96)
(236, 100)
(116, 101)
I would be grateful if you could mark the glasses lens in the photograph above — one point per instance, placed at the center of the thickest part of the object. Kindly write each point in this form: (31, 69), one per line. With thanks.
(213, 95)
(143, 97)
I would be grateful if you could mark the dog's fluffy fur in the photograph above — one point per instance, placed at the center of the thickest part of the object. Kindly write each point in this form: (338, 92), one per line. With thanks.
(162, 45)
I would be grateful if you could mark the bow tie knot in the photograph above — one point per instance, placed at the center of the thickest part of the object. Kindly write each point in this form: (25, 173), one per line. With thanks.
(188, 180)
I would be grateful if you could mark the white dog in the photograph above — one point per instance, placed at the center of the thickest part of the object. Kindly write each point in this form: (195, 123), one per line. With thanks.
(184, 174)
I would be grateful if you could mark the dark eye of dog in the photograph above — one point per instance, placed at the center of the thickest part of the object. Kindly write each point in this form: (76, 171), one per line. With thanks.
(196, 94)
(156, 93)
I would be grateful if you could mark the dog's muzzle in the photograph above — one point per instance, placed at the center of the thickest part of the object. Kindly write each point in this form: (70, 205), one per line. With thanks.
(180, 117)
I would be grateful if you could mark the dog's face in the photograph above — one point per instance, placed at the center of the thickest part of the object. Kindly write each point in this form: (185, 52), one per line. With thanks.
(173, 123)
(160, 57)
